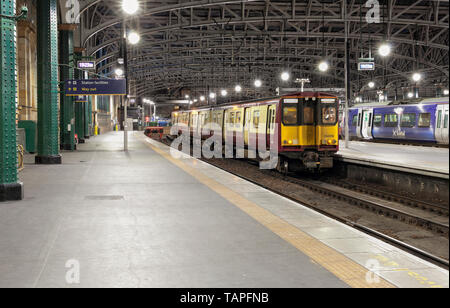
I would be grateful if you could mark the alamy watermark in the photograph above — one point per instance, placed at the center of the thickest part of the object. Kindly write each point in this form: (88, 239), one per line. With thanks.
(72, 14)
(73, 274)
(373, 275)
(373, 16)
(226, 144)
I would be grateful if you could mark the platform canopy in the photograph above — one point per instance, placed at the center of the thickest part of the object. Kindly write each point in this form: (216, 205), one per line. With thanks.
(196, 44)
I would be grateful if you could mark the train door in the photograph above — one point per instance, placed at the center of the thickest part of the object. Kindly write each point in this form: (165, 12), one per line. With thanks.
(445, 137)
(367, 124)
(271, 124)
(226, 125)
(442, 118)
(201, 123)
(359, 124)
(263, 123)
(247, 123)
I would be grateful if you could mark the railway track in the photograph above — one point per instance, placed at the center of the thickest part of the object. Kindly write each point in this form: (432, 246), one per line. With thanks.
(356, 195)
(414, 203)
(376, 207)
(405, 217)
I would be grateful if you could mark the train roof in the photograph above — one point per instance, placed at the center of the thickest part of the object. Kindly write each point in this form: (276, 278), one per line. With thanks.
(263, 99)
(436, 100)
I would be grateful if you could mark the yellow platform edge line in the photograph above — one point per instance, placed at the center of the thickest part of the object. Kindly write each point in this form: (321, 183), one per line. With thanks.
(350, 272)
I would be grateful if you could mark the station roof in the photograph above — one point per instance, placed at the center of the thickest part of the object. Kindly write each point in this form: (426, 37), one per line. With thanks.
(196, 44)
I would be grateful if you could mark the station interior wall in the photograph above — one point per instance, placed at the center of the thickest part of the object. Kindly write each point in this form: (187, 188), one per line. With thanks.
(27, 98)
(27, 64)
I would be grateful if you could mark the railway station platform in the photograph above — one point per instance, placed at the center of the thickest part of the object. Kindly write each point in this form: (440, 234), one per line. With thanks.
(428, 161)
(147, 218)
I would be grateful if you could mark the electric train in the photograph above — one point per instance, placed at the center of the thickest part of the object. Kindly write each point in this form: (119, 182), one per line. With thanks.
(306, 125)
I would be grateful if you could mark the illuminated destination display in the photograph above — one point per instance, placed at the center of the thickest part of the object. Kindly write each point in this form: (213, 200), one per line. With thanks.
(366, 66)
(86, 65)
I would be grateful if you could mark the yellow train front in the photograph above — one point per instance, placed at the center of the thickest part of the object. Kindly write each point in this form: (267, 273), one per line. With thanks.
(309, 131)
(305, 125)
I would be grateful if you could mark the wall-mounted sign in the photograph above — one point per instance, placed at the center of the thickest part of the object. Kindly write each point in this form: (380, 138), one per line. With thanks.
(95, 87)
(366, 66)
(89, 65)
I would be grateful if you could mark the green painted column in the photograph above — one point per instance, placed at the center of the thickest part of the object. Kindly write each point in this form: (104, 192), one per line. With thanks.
(87, 111)
(67, 111)
(90, 110)
(47, 54)
(10, 188)
(79, 107)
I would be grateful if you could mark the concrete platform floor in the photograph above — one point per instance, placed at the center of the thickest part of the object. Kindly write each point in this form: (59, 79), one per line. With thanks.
(410, 157)
(145, 219)
(136, 220)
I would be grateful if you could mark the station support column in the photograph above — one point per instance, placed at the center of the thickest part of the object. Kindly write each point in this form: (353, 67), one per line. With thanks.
(80, 106)
(10, 188)
(87, 134)
(67, 117)
(47, 38)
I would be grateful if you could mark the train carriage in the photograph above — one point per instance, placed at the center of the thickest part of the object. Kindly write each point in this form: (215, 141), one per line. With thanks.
(305, 124)
(423, 122)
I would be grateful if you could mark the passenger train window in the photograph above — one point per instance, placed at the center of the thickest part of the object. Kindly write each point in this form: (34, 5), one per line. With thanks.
(446, 120)
(290, 115)
(355, 120)
(377, 120)
(408, 120)
(391, 120)
(238, 119)
(256, 116)
(233, 118)
(425, 120)
(272, 118)
(329, 115)
(439, 119)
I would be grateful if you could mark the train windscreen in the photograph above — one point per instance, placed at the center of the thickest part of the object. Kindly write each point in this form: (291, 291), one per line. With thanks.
(329, 111)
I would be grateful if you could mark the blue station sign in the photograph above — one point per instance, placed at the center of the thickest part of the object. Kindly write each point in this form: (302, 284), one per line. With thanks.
(95, 87)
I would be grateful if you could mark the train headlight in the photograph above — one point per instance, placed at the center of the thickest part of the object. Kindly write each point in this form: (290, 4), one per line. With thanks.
(332, 141)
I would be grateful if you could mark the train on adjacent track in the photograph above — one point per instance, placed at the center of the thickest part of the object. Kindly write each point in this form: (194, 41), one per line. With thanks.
(306, 125)
(424, 122)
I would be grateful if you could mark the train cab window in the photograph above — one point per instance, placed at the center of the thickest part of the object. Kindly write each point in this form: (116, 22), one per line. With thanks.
(290, 115)
(256, 117)
(425, 120)
(329, 115)
(329, 111)
(377, 120)
(408, 120)
(391, 120)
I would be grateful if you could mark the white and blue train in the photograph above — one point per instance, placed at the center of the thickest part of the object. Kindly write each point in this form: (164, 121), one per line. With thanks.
(419, 122)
